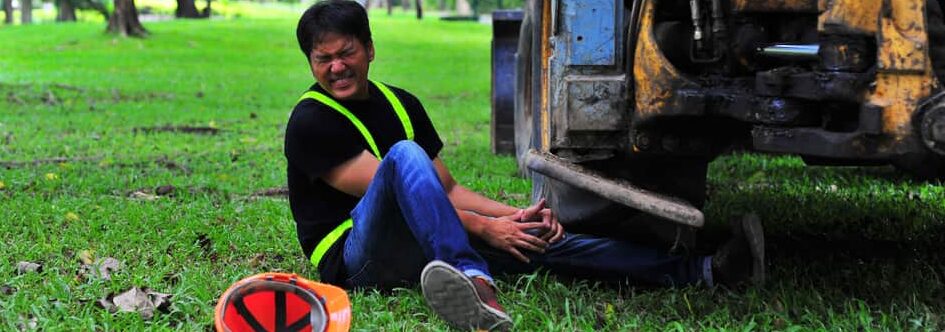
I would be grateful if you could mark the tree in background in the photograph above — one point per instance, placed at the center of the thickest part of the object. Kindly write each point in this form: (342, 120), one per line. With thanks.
(8, 11)
(188, 9)
(96, 5)
(65, 11)
(124, 21)
(26, 8)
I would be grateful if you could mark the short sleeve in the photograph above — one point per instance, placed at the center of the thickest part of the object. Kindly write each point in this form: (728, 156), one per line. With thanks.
(425, 134)
(318, 139)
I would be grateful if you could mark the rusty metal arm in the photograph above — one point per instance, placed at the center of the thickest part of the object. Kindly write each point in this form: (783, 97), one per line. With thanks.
(618, 191)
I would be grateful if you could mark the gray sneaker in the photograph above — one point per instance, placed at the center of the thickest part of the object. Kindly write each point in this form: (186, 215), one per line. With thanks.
(465, 303)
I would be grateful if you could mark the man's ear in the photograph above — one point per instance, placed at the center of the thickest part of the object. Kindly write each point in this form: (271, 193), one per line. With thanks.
(370, 51)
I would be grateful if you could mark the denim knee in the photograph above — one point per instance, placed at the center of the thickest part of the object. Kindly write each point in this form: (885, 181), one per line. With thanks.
(406, 149)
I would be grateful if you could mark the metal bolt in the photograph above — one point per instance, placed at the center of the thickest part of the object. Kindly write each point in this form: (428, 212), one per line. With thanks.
(642, 141)
(938, 131)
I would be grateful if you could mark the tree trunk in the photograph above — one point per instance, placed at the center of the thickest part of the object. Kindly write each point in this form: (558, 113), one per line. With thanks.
(66, 11)
(124, 21)
(8, 11)
(390, 7)
(405, 4)
(442, 5)
(419, 4)
(26, 17)
(186, 9)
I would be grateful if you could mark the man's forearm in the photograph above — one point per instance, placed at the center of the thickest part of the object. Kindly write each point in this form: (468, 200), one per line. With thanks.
(473, 223)
(465, 199)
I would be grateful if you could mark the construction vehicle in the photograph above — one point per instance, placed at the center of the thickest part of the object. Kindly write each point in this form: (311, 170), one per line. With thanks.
(615, 108)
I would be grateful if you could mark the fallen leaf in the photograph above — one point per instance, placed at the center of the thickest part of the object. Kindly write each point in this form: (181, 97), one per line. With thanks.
(212, 124)
(248, 140)
(28, 267)
(142, 301)
(52, 176)
(106, 303)
(87, 256)
(2, 185)
(107, 266)
(102, 268)
(164, 190)
(71, 216)
(26, 324)
(141, 195)
(257, 260)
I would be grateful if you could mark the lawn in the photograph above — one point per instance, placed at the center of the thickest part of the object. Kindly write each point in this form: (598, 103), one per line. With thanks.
(84, 143)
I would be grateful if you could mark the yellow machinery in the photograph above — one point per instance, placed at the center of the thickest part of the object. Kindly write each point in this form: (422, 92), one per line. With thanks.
(617, 106)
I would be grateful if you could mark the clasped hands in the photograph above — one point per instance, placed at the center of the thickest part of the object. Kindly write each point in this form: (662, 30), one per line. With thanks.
(533, 228)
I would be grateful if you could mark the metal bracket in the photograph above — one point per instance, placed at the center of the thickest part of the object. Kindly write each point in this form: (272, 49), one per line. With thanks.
(619, 191)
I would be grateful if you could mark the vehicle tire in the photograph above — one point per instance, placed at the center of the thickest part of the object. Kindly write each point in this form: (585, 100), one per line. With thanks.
(587, 213)
(524, 78)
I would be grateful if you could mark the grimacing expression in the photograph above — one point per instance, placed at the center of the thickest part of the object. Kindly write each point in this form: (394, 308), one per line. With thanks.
(340, 64)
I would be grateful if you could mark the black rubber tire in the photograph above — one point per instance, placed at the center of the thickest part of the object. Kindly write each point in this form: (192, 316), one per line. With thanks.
(523, 108)
(587, 213)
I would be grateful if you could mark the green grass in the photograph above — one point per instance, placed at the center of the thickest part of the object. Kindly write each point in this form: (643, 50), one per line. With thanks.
(850, 248)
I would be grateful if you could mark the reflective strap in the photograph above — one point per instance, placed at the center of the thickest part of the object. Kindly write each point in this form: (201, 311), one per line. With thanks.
(398, 108)
(320, 97)
(333, 236)
(329, 240)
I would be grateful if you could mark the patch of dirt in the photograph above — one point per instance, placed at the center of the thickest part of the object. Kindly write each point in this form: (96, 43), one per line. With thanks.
(37, 162)
(56, 94)
(162, 161)
(199, 130)
(271, 192)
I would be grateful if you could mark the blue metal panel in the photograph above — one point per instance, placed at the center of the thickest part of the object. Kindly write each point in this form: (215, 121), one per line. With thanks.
(589, 26)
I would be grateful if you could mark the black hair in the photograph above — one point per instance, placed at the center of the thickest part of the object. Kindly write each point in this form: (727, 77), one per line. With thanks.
(343, 17)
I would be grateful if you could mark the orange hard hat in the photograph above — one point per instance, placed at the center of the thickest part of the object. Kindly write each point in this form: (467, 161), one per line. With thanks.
(269, 302)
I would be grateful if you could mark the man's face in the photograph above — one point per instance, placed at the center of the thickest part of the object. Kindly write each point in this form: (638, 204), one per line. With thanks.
(340, 64)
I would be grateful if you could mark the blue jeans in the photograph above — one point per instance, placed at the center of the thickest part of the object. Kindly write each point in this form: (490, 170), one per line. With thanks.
(603, 259)
(405, 220)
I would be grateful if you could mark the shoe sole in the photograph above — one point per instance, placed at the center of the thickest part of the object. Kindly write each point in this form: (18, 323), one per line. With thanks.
(453, 297)
(755, 235)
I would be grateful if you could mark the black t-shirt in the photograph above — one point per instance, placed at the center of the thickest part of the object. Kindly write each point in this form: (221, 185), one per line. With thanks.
(319, 138)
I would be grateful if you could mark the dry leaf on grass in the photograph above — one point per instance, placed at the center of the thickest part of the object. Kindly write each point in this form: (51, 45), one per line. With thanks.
(27, 324)
(141, 195)
(142, 301)
(87, 256)
(28, 267)
(101, 268)
(164, 190)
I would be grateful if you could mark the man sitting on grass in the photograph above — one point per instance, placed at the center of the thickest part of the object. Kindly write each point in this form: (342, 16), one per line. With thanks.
(375, 206)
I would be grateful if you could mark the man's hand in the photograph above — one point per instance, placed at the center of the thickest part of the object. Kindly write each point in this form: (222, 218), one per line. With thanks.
(510, 234)
(538, 212)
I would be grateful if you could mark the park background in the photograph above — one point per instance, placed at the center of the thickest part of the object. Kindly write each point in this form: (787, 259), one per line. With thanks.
(156, 163)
